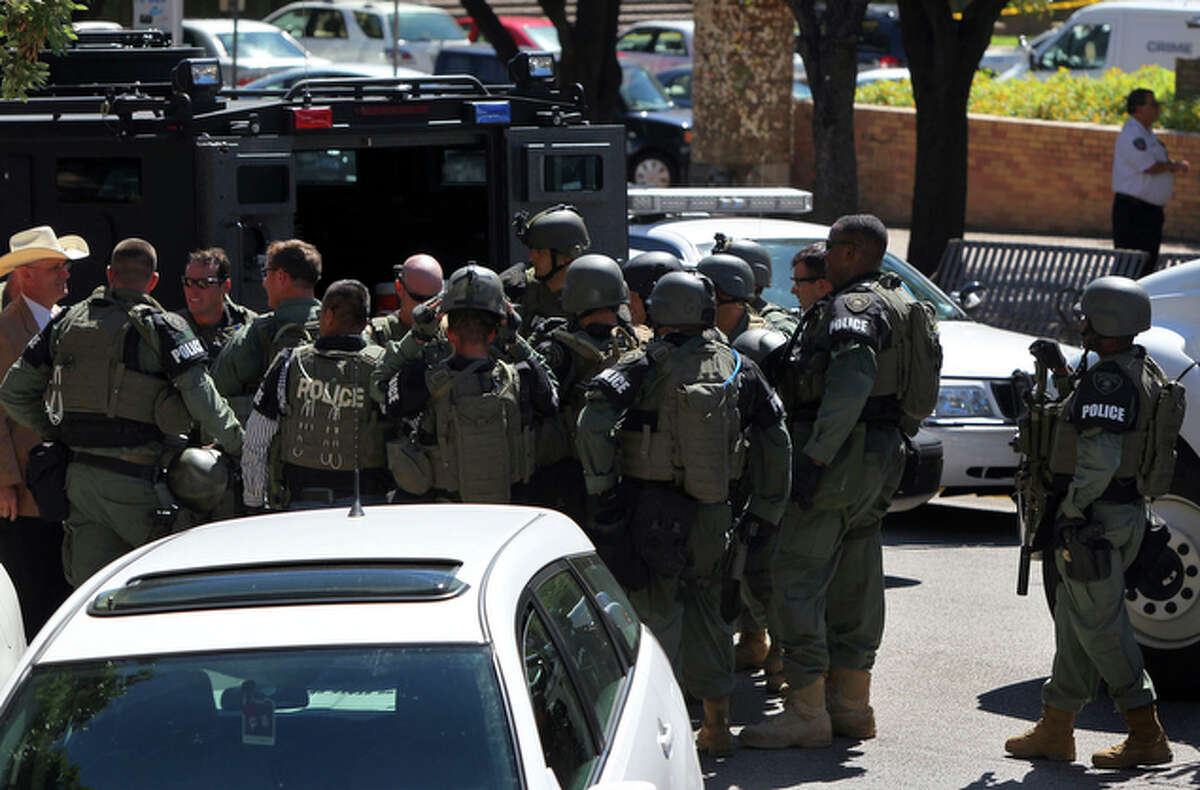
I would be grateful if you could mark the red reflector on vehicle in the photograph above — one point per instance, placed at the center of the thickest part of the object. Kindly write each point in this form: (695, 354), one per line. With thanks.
(391, 109)
(312, 117)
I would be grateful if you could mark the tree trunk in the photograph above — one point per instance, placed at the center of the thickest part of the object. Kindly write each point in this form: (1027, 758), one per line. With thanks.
(828, 44)
(491, 29)
(742, 93)
(943, 54)
(589, 54)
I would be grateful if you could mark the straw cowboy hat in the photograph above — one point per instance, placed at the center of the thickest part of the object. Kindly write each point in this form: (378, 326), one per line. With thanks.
(38, 244)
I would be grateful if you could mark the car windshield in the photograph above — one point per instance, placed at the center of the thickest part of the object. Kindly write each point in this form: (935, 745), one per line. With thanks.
(780, 291)
(641, 91)
(416, 717)
(261, 45)
(427, 26)
(544, 37)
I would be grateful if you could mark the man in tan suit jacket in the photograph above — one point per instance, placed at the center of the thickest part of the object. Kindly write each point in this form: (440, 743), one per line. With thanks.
(30, 547)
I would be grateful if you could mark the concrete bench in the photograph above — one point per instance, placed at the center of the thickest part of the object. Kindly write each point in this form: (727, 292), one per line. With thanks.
(1028, 288)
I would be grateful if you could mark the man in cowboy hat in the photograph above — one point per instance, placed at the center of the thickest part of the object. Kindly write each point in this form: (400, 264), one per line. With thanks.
(38, 266)
(122, 377)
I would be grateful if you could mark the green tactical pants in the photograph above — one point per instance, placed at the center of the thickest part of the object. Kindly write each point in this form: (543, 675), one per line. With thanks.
(684, 611)
(827, 609)
(1092, 635)
(110, 515)
(756, 584)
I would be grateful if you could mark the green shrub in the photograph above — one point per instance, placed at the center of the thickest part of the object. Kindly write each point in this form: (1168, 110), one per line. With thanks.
(1062, 97)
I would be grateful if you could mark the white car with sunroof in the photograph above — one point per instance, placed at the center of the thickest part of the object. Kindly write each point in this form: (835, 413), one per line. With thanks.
(417, 646)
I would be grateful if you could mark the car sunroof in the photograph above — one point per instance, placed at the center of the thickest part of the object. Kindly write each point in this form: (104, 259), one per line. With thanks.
(283, 585)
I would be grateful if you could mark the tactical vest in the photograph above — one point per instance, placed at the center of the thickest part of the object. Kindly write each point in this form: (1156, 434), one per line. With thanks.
(329, 408)
(473, 431)
(274, 336)
(1148, 451)
(555, 437)
(97, 393)
(686, 428)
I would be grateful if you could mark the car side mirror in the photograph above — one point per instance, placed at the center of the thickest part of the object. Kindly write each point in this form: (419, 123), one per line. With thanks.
(970, 296)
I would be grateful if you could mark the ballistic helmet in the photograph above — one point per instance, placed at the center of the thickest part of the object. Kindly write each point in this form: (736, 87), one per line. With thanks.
(593, 281)
(749, 251)
(764, 346)
(683, 299)
(730, 274)
(474, 287)
(198, 477)
(642, 271)
(1116, 306)
(559, 228)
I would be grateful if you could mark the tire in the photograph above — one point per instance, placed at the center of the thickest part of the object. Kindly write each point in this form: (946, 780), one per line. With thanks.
(1166, 615)
(653, 169)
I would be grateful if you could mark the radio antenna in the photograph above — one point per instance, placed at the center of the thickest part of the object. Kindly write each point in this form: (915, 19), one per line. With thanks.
(356, 509)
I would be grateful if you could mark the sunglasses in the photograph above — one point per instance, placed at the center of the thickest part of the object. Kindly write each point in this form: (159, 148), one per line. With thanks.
(201, 282)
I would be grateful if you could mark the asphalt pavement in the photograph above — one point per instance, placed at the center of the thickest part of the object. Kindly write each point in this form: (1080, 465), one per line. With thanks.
(960, 670)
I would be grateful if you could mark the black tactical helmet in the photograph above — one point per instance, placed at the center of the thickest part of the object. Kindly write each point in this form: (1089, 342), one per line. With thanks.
(593, 281)
(1116, 306)
(474, 287)
(683, 299)
(749, 251)
(642, 271)
(198, 478)
(730, 274)
(559, 228)
(764, 345)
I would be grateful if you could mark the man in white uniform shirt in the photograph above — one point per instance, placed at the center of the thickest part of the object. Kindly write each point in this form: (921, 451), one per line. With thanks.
(1143, 178)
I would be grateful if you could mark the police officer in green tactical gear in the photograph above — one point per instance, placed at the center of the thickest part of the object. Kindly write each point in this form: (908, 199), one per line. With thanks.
(734, 281)
(112, 378)
(664, 436)
(209, 311)
(555, 237)
(641, 273)
(474, 413)
(759, 258)
(1116, 413)
(595, 336)
(418, 280)
(313, 425)
(290, 279)
(846, 401)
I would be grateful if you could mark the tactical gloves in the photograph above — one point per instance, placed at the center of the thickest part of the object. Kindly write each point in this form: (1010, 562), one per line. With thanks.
(426, 321)
(1048, 354)
(607, 513)
(806, 476)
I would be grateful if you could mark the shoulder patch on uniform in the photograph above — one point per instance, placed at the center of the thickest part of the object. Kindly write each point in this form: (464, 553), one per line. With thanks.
(1106, 399)
(1139, 143)
(179, 346)
(857, 302)
(620, 383)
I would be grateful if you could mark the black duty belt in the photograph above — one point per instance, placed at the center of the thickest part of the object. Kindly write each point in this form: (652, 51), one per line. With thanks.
(1120, 491)
(128, 468)
(880, 409)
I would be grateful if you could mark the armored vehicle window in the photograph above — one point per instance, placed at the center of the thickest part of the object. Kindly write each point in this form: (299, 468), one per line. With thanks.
(99, 180)
(326, 167)
(463, 167)
(574, 173)
(262, 184)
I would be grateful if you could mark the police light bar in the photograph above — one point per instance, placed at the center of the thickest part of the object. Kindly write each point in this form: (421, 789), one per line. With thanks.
(718, 200)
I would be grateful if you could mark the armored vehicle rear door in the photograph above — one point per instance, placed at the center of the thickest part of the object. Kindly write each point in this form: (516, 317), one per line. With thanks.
(580, 165)
(246, 194)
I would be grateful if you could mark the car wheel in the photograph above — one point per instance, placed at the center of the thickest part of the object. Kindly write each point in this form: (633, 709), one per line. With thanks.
(1165, 613)
(652, 169)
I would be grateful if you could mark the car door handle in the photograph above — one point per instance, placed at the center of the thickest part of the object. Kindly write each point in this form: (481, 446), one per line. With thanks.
(666, 738)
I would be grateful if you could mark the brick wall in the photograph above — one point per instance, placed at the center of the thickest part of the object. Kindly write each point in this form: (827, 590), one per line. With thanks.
(1024, 176)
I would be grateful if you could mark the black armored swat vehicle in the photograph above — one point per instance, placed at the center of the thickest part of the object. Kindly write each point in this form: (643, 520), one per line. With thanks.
(135, 137)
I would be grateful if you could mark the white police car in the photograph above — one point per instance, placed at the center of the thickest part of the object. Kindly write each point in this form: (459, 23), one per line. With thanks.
(422, 646)
(975, 418)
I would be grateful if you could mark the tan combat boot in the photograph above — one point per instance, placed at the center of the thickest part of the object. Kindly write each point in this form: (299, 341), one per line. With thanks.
(804, 722)
(848, 700)
(1146, 745)
(1053, 737)
(751, 650)
(714, 737)
(776, 680)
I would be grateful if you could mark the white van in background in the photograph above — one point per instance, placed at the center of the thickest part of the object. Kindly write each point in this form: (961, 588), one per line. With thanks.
(1122, 34)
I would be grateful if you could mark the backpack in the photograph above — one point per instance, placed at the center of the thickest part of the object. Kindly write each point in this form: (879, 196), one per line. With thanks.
(1157, 466)
(918, 355)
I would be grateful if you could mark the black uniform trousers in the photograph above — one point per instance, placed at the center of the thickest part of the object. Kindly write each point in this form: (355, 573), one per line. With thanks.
(1137, 225)
(32, 552)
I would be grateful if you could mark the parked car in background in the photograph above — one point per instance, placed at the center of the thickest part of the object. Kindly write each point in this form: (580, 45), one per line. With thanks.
(975, 417)
(677, 82)
(534, 32)
(309, 649)
(665, 44)
(286, 79)
(363, 31)
(262, 49)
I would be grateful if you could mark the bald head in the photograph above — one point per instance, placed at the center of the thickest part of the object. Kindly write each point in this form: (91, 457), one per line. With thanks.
(418, 279)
